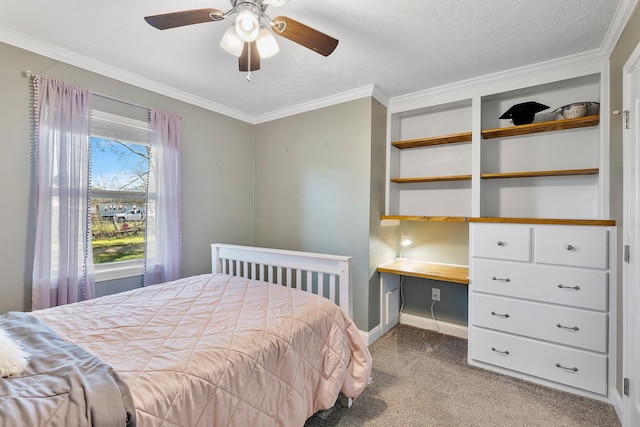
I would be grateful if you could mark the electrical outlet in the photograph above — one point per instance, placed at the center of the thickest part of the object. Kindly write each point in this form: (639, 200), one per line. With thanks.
(435, 294)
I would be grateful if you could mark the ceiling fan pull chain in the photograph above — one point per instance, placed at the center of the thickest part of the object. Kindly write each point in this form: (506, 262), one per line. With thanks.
(249, 61)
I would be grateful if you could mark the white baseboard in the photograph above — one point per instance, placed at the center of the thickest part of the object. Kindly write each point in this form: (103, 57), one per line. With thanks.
(371, 336)
(429, 324)
(616, 401)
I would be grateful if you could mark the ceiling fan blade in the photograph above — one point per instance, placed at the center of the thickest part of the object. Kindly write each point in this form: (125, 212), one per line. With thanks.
(186, 17)
(243, 60)
(304, 35)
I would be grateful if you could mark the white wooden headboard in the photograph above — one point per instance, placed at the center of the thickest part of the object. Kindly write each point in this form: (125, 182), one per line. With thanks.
(326, 275)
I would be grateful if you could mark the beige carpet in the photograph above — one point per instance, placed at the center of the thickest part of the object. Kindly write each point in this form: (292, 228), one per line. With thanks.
(421, 378)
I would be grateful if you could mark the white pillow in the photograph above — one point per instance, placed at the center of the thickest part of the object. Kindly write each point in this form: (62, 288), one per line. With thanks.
(13, 360)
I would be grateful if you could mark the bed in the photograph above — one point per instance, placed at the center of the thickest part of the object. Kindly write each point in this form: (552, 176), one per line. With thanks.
(265, 340)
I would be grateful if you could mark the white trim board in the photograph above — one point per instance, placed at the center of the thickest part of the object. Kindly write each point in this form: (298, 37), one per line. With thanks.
(371, 336)
(431, 325)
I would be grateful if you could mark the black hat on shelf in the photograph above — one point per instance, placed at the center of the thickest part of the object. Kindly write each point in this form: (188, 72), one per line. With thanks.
(524, 113)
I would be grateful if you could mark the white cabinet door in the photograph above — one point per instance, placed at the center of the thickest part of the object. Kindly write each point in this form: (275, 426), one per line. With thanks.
(506, 242)
(576, 287)
(578, 328)
(574, 246)
(577, 368)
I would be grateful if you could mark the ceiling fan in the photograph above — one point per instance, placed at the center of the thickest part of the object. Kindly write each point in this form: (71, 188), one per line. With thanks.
(248, 37)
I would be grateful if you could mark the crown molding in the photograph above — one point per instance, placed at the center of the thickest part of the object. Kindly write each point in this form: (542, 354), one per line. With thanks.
(620, 18)
(338, 98)
(380, 96)
(528, 75)
(81, 61)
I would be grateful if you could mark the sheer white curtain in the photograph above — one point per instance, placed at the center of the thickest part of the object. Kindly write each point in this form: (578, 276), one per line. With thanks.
(163, 260)
(63, 257)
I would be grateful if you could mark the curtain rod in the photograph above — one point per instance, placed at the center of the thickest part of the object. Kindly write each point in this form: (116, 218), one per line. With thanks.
(29, 73)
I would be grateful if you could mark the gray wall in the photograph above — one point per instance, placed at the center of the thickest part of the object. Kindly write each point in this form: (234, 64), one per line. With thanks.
(312, 187)
(624, 47)
(217, 179)
(313, 180)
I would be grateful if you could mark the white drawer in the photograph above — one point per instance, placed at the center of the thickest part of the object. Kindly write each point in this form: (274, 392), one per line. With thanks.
(559, 285)
(568, 326)
(507, 242)
(576, 246)
(573, 367)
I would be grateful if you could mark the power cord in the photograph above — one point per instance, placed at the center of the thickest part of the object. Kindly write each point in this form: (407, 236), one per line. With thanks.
(401, 295)
(434, 316)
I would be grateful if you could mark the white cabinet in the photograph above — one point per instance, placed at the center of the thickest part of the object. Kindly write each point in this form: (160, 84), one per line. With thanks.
(538, 303)
(573, 246)
(502, 242)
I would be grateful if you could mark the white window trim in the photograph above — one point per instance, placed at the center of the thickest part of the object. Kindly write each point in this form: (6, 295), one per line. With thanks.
(118, 270)
(135, 131)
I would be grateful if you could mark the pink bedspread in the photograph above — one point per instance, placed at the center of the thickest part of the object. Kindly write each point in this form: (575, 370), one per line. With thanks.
(217, 350)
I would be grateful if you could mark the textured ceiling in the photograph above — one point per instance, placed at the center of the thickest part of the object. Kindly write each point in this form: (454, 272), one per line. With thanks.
(399, 46)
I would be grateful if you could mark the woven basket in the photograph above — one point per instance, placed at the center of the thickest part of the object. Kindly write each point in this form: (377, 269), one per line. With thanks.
(575, 110)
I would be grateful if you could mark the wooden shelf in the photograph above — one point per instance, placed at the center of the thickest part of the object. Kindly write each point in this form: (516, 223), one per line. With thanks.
(427, 270)
(533, 174)
(425, 218)
(434, 140)
(432, 179)
(560, 221)
(550, 126)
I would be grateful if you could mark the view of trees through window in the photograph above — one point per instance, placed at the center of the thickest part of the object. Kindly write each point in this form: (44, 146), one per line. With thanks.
(119, 178)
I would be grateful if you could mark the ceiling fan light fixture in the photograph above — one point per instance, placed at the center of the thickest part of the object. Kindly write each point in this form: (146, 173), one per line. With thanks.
(266, 43)
(247, 22)
(231, 42)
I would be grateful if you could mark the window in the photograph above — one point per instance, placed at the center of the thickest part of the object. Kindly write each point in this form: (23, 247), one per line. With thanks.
(120, 154)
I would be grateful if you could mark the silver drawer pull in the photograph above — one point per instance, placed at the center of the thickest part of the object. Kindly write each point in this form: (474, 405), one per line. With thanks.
(498, 279)
(500, 243)
(574, 369)
(571, 288)
(500, 352)
(505, 316)
(573, 328)
(571, 248)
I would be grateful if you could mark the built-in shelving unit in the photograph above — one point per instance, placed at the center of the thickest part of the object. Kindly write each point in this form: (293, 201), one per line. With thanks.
(431, 161)
(553, 167)
(519, 200)
(435, 171)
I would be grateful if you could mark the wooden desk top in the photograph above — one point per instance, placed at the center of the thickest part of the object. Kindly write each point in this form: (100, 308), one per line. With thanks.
(427, 270)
